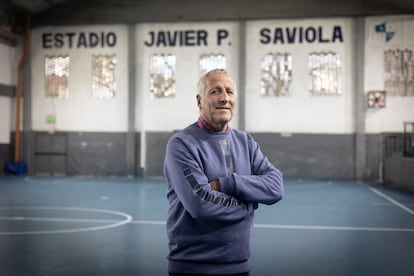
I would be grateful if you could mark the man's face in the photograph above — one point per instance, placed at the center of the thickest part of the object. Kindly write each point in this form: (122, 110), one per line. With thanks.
(218, 102)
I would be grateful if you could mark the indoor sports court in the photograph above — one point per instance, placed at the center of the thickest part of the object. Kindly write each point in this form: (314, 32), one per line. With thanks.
(116, 226)
(92, 91)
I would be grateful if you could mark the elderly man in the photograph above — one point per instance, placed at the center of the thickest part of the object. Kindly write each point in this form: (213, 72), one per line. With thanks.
(216, 178)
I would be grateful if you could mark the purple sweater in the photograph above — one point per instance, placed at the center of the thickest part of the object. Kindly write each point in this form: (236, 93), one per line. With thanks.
(209, 231)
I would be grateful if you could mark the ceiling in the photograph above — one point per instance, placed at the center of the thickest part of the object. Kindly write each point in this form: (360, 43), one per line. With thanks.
(72, 12)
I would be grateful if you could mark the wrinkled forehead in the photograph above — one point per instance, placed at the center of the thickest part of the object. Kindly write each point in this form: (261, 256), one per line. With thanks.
(220, 79)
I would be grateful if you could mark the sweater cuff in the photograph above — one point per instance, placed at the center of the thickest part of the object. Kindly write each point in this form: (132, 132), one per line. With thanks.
(227, 184)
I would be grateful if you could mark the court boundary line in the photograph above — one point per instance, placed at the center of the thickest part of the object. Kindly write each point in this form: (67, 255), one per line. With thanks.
(392, 200)
(159, 222)
(301, 227)
(57, 219)
(113, 223)
(332, 228)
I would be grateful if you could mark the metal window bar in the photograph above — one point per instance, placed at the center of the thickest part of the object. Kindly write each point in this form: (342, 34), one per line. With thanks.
(324, 73)
(393, 142)
(56, 76)
(399, 72)
(162, 75)
(103, 76)
(276, 74)
(211, 61)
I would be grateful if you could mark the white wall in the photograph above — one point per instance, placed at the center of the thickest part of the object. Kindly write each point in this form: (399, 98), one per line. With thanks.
(8, 74)
(299, 112)
(5, 115)
(398, 109)
(80, 112)
(167, 114)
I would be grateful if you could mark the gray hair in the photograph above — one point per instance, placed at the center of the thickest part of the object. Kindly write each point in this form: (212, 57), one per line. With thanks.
(202, 82)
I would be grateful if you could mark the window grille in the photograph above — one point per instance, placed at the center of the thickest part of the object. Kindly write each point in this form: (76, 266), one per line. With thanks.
(211, 61)
(276, 74)
(103, 76)
(56, 76)
(325, 73)
(399, 72)
(162, 75)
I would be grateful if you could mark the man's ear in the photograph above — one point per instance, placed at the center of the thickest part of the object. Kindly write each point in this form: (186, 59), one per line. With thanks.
(198, 97)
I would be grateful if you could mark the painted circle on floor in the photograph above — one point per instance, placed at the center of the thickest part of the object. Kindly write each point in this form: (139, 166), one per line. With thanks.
(41, 219)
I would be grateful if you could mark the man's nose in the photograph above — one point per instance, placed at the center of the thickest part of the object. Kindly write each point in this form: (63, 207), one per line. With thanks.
(224, 97)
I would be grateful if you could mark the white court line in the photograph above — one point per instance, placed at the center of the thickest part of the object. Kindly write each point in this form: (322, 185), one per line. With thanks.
(48, 219)
(104, 221)
(128, 219)
(159, 222)
(150, 222)
(302, 227)
(108, 224)
(393, 201)
(332, 228)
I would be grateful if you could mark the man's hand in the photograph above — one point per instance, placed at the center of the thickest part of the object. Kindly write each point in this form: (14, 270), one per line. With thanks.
(215, 185)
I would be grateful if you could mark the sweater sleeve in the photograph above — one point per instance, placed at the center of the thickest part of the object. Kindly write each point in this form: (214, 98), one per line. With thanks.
(187, 180)
(263, 185)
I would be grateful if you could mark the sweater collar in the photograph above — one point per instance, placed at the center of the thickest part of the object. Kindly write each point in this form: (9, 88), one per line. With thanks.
(201, 123)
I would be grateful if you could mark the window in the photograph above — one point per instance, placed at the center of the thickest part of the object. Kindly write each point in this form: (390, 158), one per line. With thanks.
(209, 62)
(103, 76)
(325, 73)
(399, 72)
(56, 76)
(162, 75)
(276, 74)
